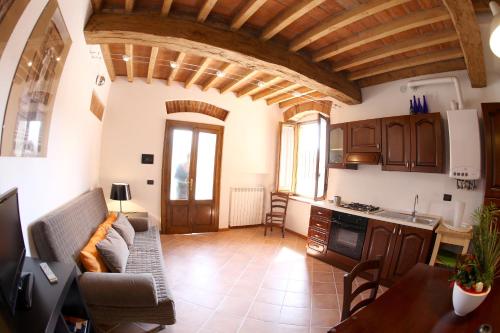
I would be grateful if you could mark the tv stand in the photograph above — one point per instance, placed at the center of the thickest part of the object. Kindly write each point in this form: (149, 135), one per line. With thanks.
(24, 294)
(50, 303)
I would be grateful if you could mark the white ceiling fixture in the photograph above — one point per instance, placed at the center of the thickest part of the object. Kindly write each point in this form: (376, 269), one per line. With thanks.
(220, 74)
(173, 64)
(296, 94)
(125, 57)
(260, 84)
(495, 28)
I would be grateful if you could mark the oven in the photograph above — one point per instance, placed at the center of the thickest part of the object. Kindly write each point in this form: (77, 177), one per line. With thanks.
(347, 234)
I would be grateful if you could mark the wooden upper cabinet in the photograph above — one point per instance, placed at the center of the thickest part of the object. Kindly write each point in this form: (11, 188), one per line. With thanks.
(396, 143)
(337, 147)
(412, 246)
(491, 119)
(427, 143)
(379, 241)
(364, 136)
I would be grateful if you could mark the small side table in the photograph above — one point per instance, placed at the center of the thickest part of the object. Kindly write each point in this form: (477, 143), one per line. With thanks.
(448, 236)
(136, 214)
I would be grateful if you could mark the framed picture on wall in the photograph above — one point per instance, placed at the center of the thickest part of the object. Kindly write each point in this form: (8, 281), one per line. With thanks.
(29, 107)
(10, 12)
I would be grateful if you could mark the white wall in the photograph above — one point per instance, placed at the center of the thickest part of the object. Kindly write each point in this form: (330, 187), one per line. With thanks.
(72, 163)
(135, 123)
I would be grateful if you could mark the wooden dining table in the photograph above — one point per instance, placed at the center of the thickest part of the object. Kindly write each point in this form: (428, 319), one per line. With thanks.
(420, 302)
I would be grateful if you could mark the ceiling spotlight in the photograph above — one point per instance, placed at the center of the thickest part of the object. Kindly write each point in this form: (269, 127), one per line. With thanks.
(125, 57)
(260, 84)
(173, 64)
(30, 63)
(296, 94)
(58, 58)
(220, 74)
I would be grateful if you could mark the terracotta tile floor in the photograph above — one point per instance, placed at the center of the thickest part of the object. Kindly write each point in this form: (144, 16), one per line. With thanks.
(241, 281)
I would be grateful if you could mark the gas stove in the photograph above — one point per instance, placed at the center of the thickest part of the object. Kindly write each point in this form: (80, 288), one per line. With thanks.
(360, 207)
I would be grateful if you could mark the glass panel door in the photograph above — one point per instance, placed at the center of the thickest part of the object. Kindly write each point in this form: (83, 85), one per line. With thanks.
(336, 154)
(205, 166)
(180, 165)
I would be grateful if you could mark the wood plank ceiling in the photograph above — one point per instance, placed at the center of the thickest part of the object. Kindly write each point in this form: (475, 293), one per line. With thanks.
(365, 42)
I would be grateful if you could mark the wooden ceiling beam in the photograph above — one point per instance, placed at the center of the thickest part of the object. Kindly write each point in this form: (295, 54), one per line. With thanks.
(288, 16)
(405, 23)
(106, 54)
(340, 21)
(464, 19)
(233, 84)
(206, 40)
(129, 51)
(276, 90)
(252, 88)
(423, 59)
(96, 5)
(437, 67)
(178, 60)
(129, 5)
(165, 8)
(152, 63)
(288, 95)
(206, 8)
(197, 73)
(397, 48)
(213, 80)
(246, 12)
(302, 99)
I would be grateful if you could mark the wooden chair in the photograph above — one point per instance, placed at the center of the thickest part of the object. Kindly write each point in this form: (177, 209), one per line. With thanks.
(277, 215)
(375, 266)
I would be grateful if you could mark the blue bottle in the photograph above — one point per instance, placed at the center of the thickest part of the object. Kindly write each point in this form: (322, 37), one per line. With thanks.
(415, 109)
(412, 108)
(419, 106)
(425, 108)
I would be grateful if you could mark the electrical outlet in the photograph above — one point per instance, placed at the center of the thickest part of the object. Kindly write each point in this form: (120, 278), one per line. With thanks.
(447, 197)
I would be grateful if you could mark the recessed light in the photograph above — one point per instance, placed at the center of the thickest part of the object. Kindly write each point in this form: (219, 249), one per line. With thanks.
(220, 74)
(296, 94)
(125, 57)
(260, 84)
(58, 59)
(30, 63)
(173, 64)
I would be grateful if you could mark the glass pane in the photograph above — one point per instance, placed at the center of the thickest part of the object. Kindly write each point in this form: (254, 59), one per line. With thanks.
(322, 157)
(306, 159)
(205, 165)
(286, 158)
(336, 145)
(181, 156)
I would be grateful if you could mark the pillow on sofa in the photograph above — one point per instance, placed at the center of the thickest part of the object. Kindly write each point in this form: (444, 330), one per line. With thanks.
(114, 251)
(89, 256)
(125, 229)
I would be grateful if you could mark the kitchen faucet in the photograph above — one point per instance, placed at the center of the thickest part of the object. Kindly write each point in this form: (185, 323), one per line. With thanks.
(415, 202)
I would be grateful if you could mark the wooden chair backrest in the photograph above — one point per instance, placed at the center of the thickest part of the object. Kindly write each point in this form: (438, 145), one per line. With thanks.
(279, 202)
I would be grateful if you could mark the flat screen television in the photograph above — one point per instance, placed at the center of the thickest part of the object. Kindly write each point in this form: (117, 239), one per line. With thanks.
(12, 249)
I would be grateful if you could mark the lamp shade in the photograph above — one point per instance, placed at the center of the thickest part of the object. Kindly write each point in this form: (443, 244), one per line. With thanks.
(120, 191)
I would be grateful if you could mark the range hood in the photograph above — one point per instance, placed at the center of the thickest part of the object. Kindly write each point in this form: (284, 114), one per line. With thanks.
(362, 158)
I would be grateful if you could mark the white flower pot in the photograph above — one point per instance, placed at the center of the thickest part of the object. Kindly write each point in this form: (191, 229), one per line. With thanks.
(465, 302)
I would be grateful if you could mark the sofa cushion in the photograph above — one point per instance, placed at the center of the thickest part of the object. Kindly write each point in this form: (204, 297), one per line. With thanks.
(89, 255)
(114, 251)
(125, 229)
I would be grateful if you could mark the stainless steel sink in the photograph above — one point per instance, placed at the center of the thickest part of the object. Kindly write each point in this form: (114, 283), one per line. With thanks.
(408, 217)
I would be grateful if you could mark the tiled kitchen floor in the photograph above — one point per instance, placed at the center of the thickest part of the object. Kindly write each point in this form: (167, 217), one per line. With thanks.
(241, 281)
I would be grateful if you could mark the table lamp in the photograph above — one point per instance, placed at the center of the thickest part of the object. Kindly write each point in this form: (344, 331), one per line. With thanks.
(120, 191)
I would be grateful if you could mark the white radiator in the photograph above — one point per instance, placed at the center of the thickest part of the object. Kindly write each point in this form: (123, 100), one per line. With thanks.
(246, 206)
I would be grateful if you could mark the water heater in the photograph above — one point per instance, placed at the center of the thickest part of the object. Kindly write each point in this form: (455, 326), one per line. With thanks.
(465, 145)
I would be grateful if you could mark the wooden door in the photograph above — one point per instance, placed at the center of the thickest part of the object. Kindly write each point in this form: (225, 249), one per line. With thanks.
(427, 143)
(380, 241)
(412, 246)
(191, 177)
(364, 136)
(491, 119)
(396, 143)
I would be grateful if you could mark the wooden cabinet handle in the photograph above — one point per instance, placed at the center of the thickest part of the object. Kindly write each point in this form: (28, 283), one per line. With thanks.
(400, 231)
(378, 145)
(394, 230)
(320, 213)
(407, 164)
(412, 164)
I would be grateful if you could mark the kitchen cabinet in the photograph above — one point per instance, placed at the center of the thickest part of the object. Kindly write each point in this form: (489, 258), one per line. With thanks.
(337, 146)
(364, 136)
(401, 247)
(491, 119)
(319, 231)
(413, 143)
(427, 152)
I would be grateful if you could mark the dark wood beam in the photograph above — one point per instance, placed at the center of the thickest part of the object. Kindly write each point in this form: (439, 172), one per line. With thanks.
(219, 44)
(152, 63)
(438, 67)
(464, 19)
(165, 8)
(206, 8)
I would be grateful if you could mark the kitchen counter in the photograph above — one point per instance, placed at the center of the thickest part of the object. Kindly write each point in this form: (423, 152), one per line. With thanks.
(331, 206)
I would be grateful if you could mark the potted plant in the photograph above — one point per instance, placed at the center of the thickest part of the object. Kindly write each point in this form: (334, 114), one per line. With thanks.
(474, 274)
